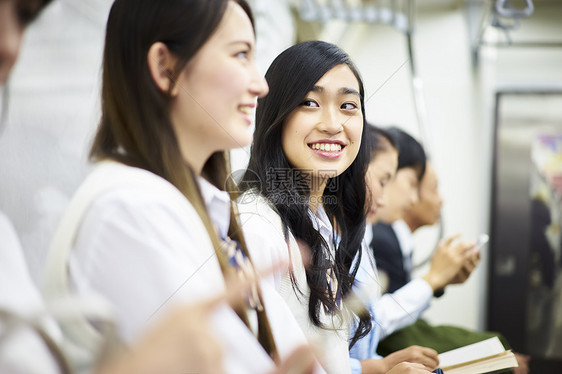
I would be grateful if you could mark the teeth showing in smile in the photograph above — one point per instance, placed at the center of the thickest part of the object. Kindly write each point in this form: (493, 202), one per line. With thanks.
(246, 110)
(325, 147)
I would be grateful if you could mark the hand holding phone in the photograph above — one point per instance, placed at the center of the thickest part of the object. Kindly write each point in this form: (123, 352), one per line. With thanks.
(481, 242)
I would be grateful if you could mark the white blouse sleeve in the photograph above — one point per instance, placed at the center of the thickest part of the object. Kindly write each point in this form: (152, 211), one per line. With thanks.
(138, 254)
(392, 311)
(402, 307)
(145, 255)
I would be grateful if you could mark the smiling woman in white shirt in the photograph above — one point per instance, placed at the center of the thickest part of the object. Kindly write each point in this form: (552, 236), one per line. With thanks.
(305, 194)
(152, 227)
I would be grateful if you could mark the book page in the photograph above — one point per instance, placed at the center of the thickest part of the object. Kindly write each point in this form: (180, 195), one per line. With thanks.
(485, 348)
(503, 361)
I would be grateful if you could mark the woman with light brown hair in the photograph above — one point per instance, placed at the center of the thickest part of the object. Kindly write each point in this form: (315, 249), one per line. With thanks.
(152, 226)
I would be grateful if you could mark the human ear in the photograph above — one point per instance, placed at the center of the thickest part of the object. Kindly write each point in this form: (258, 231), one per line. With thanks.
(161, 64)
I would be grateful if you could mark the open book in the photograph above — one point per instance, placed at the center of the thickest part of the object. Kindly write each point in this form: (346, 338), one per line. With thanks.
(483, 357)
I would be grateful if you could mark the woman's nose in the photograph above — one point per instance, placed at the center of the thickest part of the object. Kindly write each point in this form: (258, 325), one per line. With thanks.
(330, 122)
(259, 86)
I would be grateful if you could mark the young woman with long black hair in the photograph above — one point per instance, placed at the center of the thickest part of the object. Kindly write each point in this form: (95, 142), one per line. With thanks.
(304, 191)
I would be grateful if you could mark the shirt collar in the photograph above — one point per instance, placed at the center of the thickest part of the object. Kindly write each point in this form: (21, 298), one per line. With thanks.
(368, 234)
(322, 223)
(404, 236)
(218, 205)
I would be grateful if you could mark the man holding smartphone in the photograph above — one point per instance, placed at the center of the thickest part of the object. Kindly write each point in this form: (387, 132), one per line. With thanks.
(426, 211)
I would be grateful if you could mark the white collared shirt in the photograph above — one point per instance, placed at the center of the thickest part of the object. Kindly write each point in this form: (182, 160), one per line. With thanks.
(218, 206)
(145, 252)
(389, 312)
(367, 288)
(402, 307)
(406, 243)
(266, 241)
(322, 223)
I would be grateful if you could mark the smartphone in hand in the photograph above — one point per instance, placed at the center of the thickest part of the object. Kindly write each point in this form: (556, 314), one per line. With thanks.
(481, 242)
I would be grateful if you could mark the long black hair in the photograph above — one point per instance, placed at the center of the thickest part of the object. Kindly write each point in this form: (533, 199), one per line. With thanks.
(379, 140)
(411, 153)
(291, 76)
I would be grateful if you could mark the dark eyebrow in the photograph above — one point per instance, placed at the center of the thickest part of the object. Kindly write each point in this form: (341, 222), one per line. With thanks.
(348, 91)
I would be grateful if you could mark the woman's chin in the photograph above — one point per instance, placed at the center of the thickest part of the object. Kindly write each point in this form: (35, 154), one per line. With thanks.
(241, 141)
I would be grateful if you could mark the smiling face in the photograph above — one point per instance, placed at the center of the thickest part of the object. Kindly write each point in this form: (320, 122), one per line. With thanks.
(381, 171)
(323, 134)
(218, 89)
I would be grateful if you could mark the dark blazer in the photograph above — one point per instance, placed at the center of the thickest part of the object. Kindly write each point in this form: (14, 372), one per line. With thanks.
(388, 255)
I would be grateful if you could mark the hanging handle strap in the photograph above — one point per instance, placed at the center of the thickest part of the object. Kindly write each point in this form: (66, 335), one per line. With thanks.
(505, 9)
